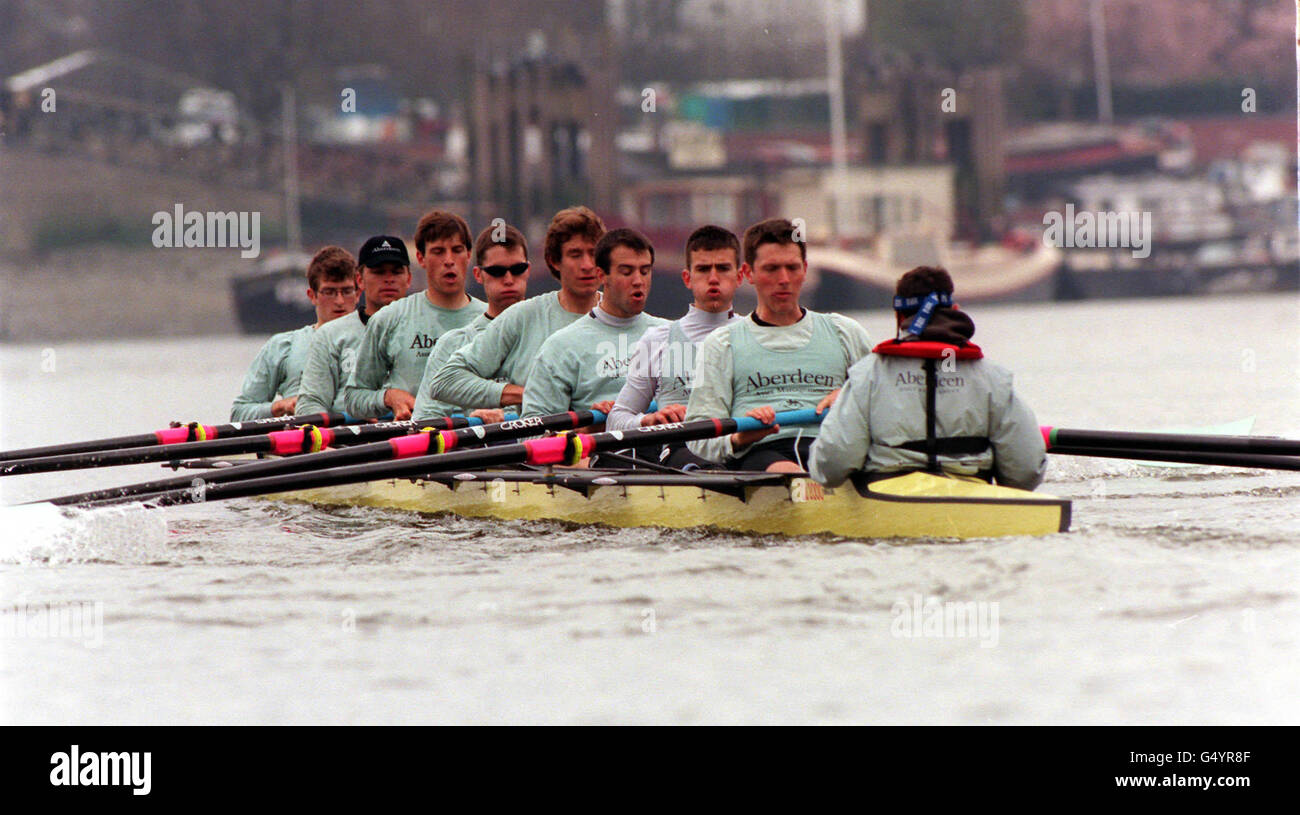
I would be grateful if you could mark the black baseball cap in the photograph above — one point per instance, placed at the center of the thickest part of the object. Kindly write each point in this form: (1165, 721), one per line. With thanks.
(383, 249)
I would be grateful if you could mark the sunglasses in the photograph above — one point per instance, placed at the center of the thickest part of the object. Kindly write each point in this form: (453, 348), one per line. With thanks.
(516, 269)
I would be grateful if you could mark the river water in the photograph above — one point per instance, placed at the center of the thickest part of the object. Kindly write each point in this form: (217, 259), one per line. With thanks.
(1173, 599)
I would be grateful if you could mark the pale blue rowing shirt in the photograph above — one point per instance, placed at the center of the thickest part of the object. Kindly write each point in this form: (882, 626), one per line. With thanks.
(330, 360)
(584, 363)
(397, 344)
(276, 370)
(426, 406)
(663, 366)
(745, 365)
(476, 375)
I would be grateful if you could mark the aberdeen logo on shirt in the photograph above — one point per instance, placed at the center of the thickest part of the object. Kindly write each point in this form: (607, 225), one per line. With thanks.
(615, 357)
(760, 381)
(613, 367)
(911, 380)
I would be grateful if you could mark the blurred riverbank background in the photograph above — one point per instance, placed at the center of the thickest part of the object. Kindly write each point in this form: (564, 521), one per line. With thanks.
(928, 131)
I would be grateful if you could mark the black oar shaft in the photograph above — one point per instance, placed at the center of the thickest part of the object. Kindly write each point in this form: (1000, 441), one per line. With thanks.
(292, 464)
(335, 476)
(1256, 460)
(267, 443)
(375, 451)
(198, 490)
(135, 455)
(177, 435)
(1184, 442)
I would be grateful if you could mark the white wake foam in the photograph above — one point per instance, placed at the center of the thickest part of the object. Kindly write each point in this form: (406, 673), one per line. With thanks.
(44, 533)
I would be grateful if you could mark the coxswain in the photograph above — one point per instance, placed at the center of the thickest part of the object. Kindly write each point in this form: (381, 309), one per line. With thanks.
(929, 401)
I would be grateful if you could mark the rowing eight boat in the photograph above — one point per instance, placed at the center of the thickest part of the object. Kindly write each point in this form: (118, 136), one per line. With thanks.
(915, 505)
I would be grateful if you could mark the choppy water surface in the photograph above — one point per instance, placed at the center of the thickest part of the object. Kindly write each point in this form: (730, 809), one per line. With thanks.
(1173, 599)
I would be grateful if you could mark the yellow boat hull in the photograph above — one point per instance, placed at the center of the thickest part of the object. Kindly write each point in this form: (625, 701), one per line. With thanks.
(915, 505)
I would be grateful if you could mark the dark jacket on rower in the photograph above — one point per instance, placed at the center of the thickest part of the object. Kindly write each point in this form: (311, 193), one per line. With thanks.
(879, 423)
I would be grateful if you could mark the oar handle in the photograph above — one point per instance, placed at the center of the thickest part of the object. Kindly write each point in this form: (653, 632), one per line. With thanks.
(596, 417)
(475, 421)
(785, 417)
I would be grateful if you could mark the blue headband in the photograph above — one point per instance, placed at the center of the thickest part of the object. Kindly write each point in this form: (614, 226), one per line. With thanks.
(923, 307)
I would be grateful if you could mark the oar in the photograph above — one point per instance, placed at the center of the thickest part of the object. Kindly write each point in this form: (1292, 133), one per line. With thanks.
(397, 447)
(1061, 437)
(564, 449)
(1257, 460)
(180, 434)
(302, 439)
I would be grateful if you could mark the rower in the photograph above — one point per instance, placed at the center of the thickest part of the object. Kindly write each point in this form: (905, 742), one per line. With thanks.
(781, 357)
(663, 363)
(385, 276)
(398, 341)
(583, 365)
(490, 371)
(277, 368)
(501, 266)
(927, 400)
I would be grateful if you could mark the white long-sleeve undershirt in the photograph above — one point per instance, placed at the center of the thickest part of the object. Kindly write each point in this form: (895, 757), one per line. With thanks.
(643, 377)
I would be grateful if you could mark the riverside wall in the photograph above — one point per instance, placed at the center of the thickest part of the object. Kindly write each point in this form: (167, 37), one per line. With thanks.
(124, 288)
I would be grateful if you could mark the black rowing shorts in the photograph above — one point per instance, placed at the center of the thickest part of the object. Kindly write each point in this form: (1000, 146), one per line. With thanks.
(758, 457)
(681, 458)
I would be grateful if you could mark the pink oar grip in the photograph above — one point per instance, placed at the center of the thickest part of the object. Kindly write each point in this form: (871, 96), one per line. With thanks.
(180, 435)
(286, 442)
(408, 446)
(552, 450)
(172, 435)
(290, 442)
(547, 451)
